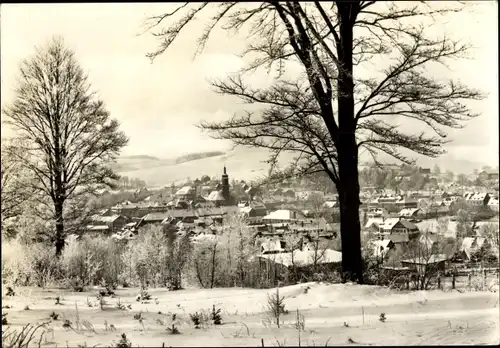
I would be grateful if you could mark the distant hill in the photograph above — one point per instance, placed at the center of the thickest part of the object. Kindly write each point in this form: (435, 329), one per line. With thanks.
(161, 172)
(197, 156)
(139, 157)
(241, 163)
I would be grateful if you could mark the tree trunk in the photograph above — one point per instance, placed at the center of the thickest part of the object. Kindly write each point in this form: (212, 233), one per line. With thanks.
(347, 149)
(350, 231)
(212, 277)
(59, 237)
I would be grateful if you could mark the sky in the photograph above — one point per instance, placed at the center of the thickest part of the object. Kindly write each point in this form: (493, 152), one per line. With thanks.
(159, 103)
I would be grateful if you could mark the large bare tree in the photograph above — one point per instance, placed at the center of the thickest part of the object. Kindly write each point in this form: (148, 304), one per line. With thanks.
(329, 112)
(66, 137)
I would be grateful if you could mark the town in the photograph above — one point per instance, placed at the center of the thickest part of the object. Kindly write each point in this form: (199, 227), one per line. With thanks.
(441, 212)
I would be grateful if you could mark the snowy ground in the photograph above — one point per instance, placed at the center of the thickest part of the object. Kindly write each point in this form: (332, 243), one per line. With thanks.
(413, 318)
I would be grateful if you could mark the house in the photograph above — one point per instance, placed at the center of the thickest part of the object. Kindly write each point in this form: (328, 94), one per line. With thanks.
(98, 230)
(186, 193)
(330, 204)
(493, 204)
(377, 213)
(476, 198)
(216, 198)
(114, 222)
(373, 224)
(271, 246)
(448, 201)
(312, 227)
(105, 212)
(397, 225)
(398, 238)
(422, 265)
(152, 218)
(124, 235)
(470, 245)
(398, 230)
(284, 216)
(406, 202)
(436, 208)
(412, 213)
(382, 248)
(429, 240)
(253, 210)
(180, 203)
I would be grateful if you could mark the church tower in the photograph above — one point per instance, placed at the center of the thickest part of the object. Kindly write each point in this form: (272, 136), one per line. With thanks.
(225, 185)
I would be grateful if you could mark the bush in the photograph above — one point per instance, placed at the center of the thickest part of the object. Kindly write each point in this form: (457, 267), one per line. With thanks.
(27, 265)
(200, 319)
(196, 319)
(276, 306)
(145, 261)
(124, 342)
(173, 330)
(15, 263)
(92, 260)
(156, 258)
(45, 269)
(215, 316)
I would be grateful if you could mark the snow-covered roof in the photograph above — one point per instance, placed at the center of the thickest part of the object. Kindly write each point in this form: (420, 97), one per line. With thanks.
(215, 196)
(467, 243)
(408, 212)
(268, 245)
(330, 204)
(374, 221)
(475, 196)
(97, 228)
(281, 214)
(184, 191)
(426, 260)
(245, 210)
(304, 258)
(380, 247)
(493, 201)
(105, 219)
(389, 223)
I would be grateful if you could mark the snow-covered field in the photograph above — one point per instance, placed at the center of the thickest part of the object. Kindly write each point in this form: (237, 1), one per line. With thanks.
(413, 318)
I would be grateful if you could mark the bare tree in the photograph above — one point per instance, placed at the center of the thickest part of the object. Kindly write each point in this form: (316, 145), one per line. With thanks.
(293, 243)
(426, 254)
(67, 137)
(300, 114)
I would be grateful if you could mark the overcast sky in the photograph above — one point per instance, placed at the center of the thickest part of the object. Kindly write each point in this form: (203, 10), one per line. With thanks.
(157, 104)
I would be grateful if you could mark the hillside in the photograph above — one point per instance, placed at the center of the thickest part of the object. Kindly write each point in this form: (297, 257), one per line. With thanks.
(337, 314)
(152, 169)
(241, 163)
